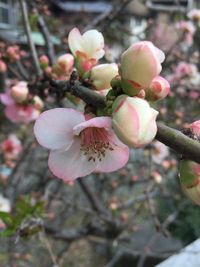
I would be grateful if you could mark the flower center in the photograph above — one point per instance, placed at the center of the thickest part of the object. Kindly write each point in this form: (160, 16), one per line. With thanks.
(94, 143)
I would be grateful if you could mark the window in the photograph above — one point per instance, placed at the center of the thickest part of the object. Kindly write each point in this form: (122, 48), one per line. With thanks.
(170, 5)
(6, 13)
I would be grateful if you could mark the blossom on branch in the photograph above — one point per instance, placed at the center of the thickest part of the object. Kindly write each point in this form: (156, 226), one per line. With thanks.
(11, 147)
(87, 48)
(140, 64)
(101, 75)
(20, 107)
(79, 146)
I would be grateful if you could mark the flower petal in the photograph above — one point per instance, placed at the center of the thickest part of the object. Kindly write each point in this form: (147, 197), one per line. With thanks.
(114, 159)
(53, 129)
(75, 41)
(6, 99)
(21, 114)
(71, 164)
(99, 122)
(93, 44)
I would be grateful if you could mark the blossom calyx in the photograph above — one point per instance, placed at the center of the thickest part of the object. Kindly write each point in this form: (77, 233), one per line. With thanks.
(134, 121)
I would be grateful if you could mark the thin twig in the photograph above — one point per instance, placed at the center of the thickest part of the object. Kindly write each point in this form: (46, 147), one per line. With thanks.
(29, 37)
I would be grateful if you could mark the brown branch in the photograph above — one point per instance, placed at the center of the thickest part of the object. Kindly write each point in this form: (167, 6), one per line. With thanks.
(29, 37)
(173, 138)
(176, 140)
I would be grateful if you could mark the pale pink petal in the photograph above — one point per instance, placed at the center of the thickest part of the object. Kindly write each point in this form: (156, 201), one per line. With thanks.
(75, 41)
(71, 164)
(6, 99)
(99, 122)
(114, 159)
(21, 114)
(93, 44)
(54, 128)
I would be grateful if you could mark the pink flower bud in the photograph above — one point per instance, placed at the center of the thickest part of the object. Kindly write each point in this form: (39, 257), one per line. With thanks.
(19, 92)
(3, 66)
(140, 63)
(190, 179)
(195, 127)
(66, 62)
(44, 61)
(13, 53)
(134, 121)
(101, 75)
(38, 103)
(159, 89)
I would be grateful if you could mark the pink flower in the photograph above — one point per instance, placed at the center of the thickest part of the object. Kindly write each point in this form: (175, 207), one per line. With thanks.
(63, 67)
(134, 121)
(195, 127)
(140, 63)
(44, 61)
(78, 146)
(86, 48)
(11, 147)
(13, 53)
(188, 29)
(184, 68)
(18, 112)
(66, 62)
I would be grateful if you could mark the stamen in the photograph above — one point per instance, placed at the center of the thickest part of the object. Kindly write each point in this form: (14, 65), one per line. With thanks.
(94, 143)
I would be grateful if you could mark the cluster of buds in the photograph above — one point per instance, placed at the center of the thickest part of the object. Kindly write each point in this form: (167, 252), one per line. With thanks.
(83, 143)
(61, 70)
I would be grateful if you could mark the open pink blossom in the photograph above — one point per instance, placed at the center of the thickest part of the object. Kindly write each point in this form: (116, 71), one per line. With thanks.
(78, 146)
(185, 69)
(18, 112)
(87, 48)
(11, 147)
